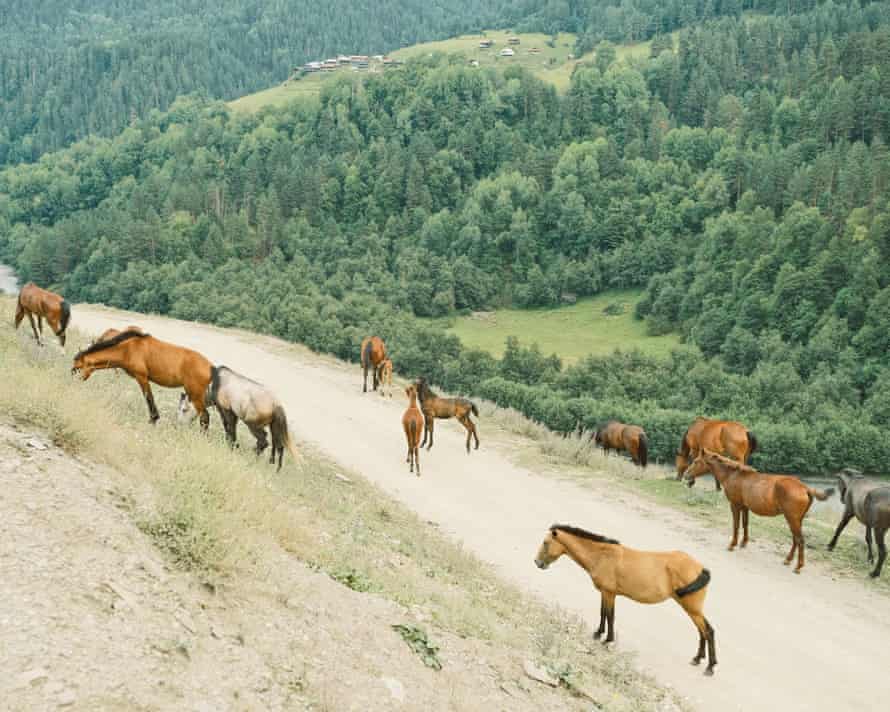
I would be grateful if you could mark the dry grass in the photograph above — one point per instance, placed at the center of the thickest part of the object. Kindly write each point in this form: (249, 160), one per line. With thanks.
(213, 511)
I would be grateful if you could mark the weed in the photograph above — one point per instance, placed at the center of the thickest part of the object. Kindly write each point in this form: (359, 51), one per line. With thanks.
(419, 642)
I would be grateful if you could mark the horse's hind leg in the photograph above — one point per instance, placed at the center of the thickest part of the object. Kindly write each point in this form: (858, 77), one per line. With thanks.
(609, 603)
(744, 527)
(602, 627)
(692, 606)
(882, 551)
(465, 421)
(797, 542)
(429, 430)
(871, 555)
(840, 527)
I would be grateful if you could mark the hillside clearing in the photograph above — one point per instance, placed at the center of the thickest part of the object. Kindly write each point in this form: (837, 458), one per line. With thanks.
(225, 522)
(571, 332)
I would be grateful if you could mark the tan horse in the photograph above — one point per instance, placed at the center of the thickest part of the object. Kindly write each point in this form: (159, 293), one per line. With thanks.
(373, 353)
(764, 494)
(619, 436)
(38, 302)
(727, 437)
(148, 359)
(412, 424)
(384, 376)
(643, 576)
(435, 407)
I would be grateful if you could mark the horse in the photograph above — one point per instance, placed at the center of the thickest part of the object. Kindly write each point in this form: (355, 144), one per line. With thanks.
(412, 424)
(373, 353)
(868, 501)
(43, 304)
(642, 576)
(384, 376)
(238, 397)
(434, 407)
(764, 494)
(727, 437)
(148, 359)
(630, 438)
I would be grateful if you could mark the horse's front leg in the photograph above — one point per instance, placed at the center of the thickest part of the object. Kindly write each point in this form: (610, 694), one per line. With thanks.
(34, 327)
(845, 520)
(871, 555)
(598, 633)
(744, 527)
(153, 415)
(882, 551)
(365, 386)
(259, 432)
(230, 425)
(430, 424)
(609, 603)
(736, 510)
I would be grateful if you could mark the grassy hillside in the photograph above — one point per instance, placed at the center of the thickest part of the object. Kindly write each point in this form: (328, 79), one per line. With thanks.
(592, 326)
(307, 87)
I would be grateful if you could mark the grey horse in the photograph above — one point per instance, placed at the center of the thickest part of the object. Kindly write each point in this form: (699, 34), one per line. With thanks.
(869, 501)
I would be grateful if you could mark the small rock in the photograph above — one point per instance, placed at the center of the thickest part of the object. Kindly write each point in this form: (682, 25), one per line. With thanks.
(536, 672)
(342, 478)
(36, 444)
(395, 687)
(185, 620)
(34, 677)
(66, 699)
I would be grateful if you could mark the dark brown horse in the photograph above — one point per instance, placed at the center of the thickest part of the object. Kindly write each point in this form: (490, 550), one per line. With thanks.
(727, 437)
(619, 436)
(38, 302)
(148, 359)
(373, 354)
(412, 424)
(764, 494)
(869, 501)
(642, 576)
(435, 407)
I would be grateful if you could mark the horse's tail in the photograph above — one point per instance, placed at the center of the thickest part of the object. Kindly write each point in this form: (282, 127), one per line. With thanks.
(821, 495)
(643, 453)
(702, 580)
(281, 434)
(366, 354)
(212, 387)
(752, 445)
(66, 317)
(474, 409)
(412, 433)
(19, 311)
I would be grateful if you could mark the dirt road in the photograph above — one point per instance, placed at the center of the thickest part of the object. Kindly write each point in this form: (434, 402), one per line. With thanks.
(785, 642)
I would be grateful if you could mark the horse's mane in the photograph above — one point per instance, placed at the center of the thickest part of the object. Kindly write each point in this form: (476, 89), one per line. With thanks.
(109, 343)
(423, 389)
(238, 375)
(741, 467)
(583, 533)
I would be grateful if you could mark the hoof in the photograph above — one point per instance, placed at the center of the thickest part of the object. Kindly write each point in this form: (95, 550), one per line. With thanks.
(786, 562)
(709, 672)
(797, 570)
(695, 661)
(597, 635)
(873, 574)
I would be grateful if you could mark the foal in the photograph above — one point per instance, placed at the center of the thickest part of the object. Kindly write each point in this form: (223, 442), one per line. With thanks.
(766, 495)
(384, 376)
(412, 424)
(434, 406)
(643, 576)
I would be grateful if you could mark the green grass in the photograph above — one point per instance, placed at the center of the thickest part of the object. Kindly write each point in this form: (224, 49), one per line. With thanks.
(307, 87)
(571, 332)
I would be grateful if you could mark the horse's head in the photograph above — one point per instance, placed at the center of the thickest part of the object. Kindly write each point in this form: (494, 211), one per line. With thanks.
(701, 465)
(82, 366)
(411, 392)
(551, 549)
(844, 478)
(186, 412)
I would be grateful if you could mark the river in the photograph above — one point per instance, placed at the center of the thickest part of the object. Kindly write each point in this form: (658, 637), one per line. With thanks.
(8, 282)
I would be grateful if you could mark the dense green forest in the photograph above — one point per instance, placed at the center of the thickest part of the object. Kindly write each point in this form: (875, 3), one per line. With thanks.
(741, 178)
(72, 68)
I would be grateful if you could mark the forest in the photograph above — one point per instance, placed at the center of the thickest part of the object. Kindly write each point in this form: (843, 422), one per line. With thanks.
(740, 176)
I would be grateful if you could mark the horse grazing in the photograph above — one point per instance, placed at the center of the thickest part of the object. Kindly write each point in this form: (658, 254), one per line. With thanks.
(630, 438)
(435, 407)
(412, 424)
(148, 359)
(764, 494)
(38, 302)
(643, 576)
(868, 501)
(384, 376)
(727, 437)
(236, 396)
(373, 353)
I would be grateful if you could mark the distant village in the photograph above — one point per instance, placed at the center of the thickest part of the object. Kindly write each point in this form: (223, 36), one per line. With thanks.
(379, 62)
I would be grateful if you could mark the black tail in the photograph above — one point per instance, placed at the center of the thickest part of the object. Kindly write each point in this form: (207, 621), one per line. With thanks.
(66, 317)
(703, 580)
(412, 431)
(281, 436)
(213, 388)
(474, 409)
(366, 355)
(752, 445)
(643, 454)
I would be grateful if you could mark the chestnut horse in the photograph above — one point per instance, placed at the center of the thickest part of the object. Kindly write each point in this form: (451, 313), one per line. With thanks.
(38, 302)
(373, 353)
(630, 438)
(764, 494)
(643, 576)
(412, 424)
(435, 407)
(384, 376)
(148, 359)
(727, 437)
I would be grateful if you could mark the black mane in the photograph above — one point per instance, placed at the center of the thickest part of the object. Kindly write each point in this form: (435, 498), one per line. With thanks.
(108, 343)
(583, 533)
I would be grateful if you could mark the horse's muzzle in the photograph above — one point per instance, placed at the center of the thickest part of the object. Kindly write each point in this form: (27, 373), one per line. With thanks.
(540, 564)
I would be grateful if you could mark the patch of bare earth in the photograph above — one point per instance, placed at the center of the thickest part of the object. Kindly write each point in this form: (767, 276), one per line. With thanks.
(92, 617)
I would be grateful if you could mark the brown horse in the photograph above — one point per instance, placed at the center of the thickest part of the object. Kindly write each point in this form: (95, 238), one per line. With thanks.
(643, 576)
(148, 359)
(630, 438)
(373, 353)
(727, 437)
(764, 494)
(38, 302)
(435, 407)
(412, 424)
(384, 376)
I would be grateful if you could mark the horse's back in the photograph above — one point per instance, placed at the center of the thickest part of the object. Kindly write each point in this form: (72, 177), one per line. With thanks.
(877, 507)
(654, 576)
